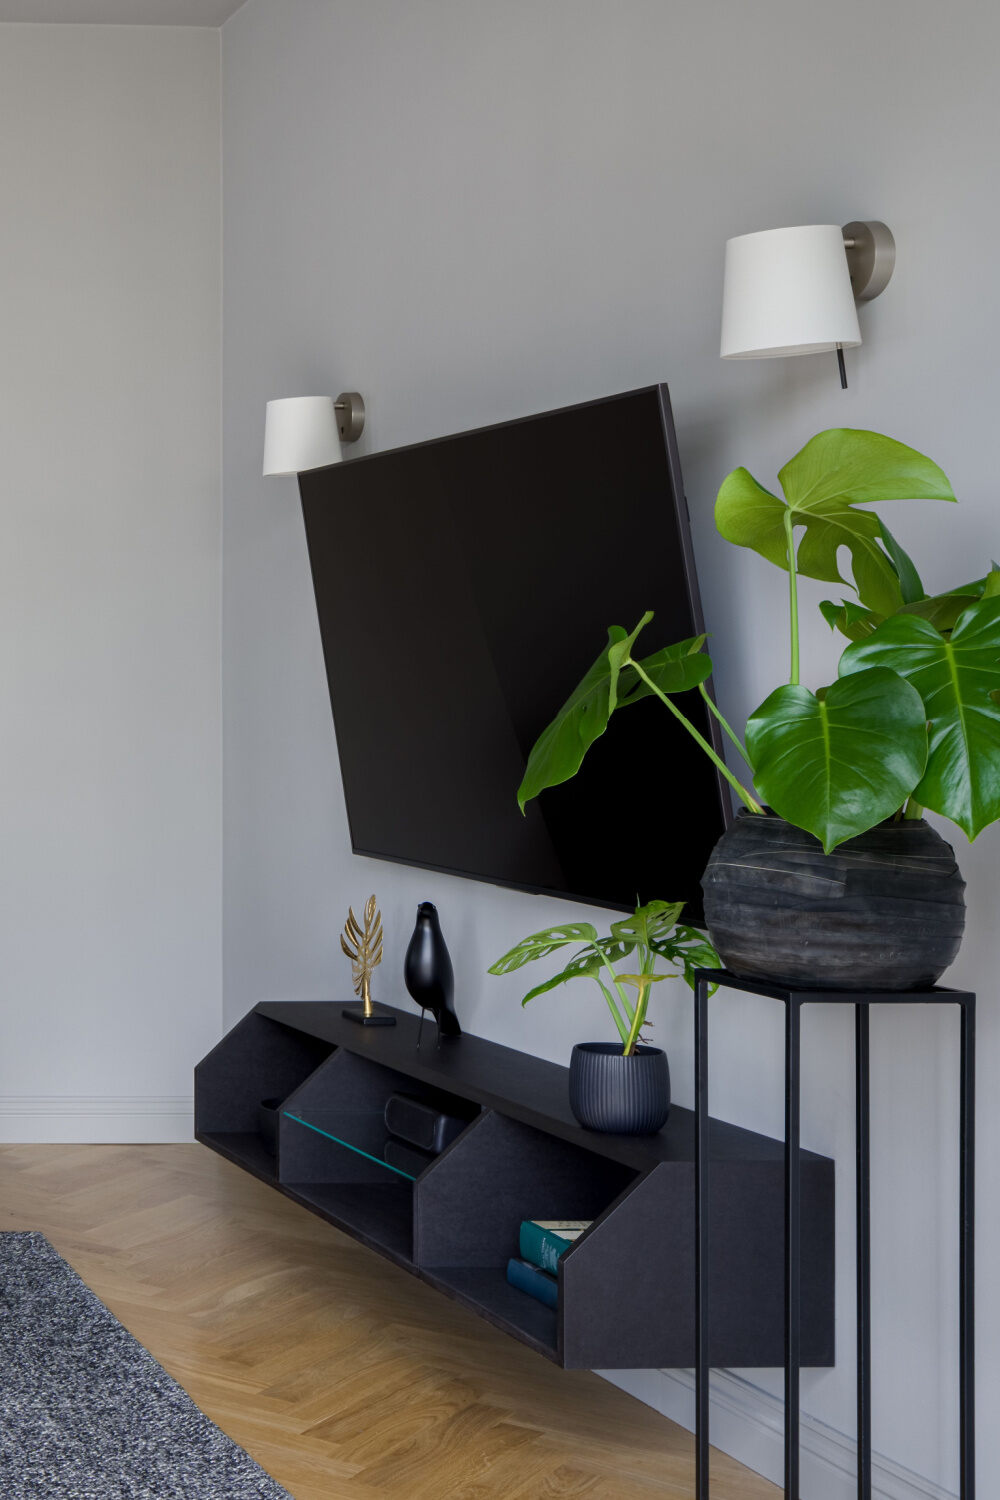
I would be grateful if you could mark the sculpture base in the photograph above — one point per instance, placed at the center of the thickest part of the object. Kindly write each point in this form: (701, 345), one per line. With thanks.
(377, 1017)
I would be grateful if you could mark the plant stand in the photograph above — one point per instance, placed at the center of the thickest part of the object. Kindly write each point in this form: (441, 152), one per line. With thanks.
(793, 1001)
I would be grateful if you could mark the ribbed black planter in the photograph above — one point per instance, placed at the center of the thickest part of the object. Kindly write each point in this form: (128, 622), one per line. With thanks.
(611, 1092)
(884, 911)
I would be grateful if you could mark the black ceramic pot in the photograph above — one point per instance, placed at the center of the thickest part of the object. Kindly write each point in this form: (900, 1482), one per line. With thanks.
(884, 911)
(624, 1095)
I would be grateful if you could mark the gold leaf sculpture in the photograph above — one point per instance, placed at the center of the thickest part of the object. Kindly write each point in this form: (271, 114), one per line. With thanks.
(363, 946)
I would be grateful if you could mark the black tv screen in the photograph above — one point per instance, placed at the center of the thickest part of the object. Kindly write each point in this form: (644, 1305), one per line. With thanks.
(464, 586)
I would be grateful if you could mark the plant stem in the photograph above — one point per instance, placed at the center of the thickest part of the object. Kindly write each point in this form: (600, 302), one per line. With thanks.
(623, 1030)
(793, 597)
(646, 966)
(714, 709)
(912, 812)
(720, 765)
(637, 1025)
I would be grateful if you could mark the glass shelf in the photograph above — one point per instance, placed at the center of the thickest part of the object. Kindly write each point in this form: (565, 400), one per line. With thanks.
(364, 1134)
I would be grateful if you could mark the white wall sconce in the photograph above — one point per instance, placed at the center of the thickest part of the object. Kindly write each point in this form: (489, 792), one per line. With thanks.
(305, 432)
(794, 291)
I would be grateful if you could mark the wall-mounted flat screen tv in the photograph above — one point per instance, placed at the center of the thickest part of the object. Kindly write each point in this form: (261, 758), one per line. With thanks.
(464, 586)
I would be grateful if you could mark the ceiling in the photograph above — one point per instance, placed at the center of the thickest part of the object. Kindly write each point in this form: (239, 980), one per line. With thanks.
(122, 12)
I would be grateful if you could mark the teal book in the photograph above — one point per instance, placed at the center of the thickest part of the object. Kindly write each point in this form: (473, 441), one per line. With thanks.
(543, 1241)
(537, 1284)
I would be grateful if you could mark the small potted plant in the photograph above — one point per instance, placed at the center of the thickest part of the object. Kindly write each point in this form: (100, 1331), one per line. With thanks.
(830, 876)
(619, 1086)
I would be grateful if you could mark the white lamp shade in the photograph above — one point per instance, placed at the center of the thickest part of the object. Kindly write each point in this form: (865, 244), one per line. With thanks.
(300, 432)
(788, 291)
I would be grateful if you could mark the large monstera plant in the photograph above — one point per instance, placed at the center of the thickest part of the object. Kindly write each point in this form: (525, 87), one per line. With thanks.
(913, 719)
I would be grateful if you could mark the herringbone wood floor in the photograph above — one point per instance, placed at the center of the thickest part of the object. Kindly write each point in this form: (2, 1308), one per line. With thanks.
(344, 1377)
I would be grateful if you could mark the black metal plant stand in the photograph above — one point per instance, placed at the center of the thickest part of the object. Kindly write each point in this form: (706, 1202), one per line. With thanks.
(793, 1001)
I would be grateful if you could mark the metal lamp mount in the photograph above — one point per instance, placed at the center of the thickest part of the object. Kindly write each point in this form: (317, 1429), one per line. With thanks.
(871, 257)
(350, 409)
(871, 260)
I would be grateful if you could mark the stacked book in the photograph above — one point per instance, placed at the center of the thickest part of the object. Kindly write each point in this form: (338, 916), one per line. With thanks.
(541, 1242)
(418, 1132)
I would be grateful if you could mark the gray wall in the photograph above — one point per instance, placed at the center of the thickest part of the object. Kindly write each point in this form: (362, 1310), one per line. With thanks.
(472, 211)
(110, 578)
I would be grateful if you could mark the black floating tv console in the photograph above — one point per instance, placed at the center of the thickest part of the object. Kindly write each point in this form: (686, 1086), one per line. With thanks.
(626, 1287)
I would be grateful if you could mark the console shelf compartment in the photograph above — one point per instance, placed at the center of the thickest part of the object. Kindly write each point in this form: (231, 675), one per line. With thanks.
(626, 1287)
(486, 1290)
(259, 1059)
(378, 1214)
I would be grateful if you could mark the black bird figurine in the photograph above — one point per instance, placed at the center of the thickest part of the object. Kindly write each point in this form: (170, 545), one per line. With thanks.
(428, 973)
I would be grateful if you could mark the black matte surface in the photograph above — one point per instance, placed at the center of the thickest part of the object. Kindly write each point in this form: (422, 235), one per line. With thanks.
(468, 1207)
(378, 1214)
(256, 1060)
(486, 1290)
(524, 1087)
(801, 1264)
(464, 586)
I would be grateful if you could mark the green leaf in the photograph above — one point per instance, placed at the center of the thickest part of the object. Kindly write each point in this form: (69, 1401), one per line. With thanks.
(675, 669)
(837, 767)
(852, 466)
(844, 467)
(583, 966)
(955, 677)
(851, 619)
(650, 923)
(836, 471)
(618, 654)
(832, 613)
(559, 750)
(858, 530)
(558, 753)
(614, 949)
(909, 579)
(750, 516)
(689, 949)
(541, 944)
(943, 610)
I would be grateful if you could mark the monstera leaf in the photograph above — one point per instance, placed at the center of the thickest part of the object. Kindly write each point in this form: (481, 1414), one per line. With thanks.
(958, 679)
(851, 619)
(648, 925)
(834, 473)
(587, 965)
(943, 610)
(541, 944)
(675, 669)
(691, 949)
(559, 751)
(838, 764)
(910, 585)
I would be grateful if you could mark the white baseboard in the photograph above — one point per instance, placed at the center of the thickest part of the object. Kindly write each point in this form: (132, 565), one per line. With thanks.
(748, 1423)
(96, 1118)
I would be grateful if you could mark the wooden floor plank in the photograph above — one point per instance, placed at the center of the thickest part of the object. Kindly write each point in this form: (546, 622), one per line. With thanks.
(345, 1378)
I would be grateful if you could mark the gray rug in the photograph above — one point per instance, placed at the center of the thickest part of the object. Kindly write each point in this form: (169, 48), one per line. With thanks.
(86, 1413)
